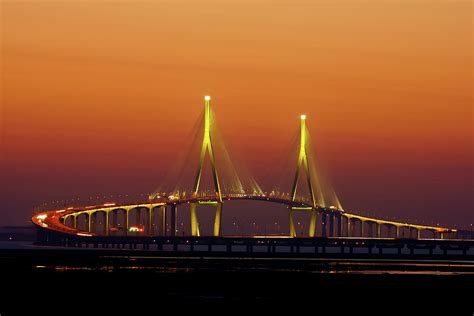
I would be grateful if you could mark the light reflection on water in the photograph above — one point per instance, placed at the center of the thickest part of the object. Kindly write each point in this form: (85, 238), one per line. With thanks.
(370, 269)
(192, 264)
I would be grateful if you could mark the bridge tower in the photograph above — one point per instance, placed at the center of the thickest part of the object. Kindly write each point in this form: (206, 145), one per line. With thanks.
(207, 147)
(303, 162)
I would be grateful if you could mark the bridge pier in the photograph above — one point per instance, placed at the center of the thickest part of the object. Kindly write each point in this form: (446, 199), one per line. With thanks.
(106, 228)
(193, 219)
(174, 213)
(291, 224)
(89, 222)
(162, 221)
(74, 221)
(126, 213)
(312, 223)
(151, 219)
(348, 226)
(195, 231)
(218, 220)
(115, 218)
(362, 223)
(352, 227)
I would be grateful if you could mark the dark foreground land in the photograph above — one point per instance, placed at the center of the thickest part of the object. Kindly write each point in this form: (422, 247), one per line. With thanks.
(121, 279)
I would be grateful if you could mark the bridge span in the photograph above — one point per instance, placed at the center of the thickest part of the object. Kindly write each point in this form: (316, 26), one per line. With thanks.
(334, 222)
(321, 203)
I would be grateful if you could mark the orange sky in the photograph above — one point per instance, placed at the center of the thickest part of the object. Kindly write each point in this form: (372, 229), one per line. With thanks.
(98, 91)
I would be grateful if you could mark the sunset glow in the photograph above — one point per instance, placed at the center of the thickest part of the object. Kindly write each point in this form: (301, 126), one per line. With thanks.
(99, 97)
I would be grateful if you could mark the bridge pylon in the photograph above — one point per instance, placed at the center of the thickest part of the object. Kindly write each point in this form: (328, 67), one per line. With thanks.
(207, 147)
(303, 162)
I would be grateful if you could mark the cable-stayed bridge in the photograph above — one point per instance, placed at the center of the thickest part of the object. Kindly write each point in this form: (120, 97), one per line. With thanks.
(188, 191)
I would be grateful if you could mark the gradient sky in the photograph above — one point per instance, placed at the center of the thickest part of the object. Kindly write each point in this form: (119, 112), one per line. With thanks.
(96, 96)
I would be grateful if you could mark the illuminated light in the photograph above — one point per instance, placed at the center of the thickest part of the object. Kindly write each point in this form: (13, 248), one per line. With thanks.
(207, 202)
(60, 211)
(301, 208)
(136, 229)
(303, 116)
(84, 234)
(207, 98)
(42, 216)
(108, 204)
(44, 224)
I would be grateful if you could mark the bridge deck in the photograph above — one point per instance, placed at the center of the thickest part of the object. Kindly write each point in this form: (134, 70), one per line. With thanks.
(51, 220)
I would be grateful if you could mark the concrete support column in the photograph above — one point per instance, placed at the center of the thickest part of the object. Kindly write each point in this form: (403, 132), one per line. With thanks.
(74, 221)
(217, 220)
(174, 218)
(291, 224)
(348, 227)
(193, 219)
(397, 232)
(362, 223)
(106, 223)
(89, 222)
(162, 221)
(331, 225)
(312, 223)
(126, 212)
(352, 227)
(379, 230)
(418, 233)
(115, 218)
(323, 225)
(151, 219)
